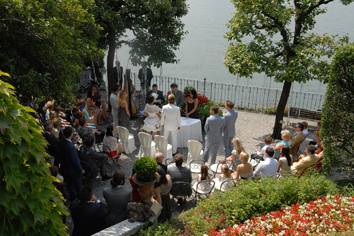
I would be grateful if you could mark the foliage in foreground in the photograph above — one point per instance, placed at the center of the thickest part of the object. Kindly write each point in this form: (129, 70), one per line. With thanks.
(325, 215)
(247, 199)
(337, 130)
(29, 202)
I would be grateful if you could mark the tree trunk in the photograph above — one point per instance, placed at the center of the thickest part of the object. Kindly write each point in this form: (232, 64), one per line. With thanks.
(280, 110)
(110, 65)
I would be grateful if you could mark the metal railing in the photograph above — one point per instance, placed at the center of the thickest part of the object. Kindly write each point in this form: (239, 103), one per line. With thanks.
(247, 97)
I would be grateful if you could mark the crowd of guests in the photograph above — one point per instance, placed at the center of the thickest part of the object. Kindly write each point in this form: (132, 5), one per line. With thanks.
(73, 132)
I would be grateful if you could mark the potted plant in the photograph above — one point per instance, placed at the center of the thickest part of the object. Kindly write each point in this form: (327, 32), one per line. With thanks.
(144, 170)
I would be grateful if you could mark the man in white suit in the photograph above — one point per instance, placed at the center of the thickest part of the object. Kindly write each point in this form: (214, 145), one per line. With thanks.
(171, 122)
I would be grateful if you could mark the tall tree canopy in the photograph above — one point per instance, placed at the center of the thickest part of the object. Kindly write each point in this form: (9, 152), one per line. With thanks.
(275, 37)
(156, 25)
(44, 44)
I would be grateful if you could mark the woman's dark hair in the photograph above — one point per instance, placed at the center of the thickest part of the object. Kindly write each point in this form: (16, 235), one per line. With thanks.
(85, 194)
(194, 93)
(150, 99)
(204, 175)
(285, 152)
(118, 179)
(109, 131)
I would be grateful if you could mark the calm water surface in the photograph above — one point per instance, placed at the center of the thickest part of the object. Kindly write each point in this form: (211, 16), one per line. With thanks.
(201, 54)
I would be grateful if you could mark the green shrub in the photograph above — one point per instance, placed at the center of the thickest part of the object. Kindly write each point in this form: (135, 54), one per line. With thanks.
(337, 129)
(251, 198)
(145, 169)
(29, 202)
(166, 229)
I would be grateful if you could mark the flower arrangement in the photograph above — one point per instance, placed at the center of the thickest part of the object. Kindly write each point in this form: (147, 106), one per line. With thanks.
(319, 217)
(145, 169)
(202, 99)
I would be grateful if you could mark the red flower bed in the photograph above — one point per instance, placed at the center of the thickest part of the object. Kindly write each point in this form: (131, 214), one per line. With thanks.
(319, 217)
(202, 99)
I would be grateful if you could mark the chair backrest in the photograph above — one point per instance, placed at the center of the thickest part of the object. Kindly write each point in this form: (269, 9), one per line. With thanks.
(181, 189)
(123, 134)
(194, 149)
(205, 186)
(227, 184)
(161, 144)
(145, 143)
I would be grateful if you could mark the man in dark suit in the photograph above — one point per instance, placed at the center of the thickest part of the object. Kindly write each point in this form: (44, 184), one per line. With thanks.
(179, 98)
(229, 129)
(69, 163)
(53, 142)
(160, 100)
(214, 127)
(178, 174)
(89, 214)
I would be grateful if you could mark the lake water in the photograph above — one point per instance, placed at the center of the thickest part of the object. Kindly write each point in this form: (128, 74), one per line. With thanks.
(201, 54)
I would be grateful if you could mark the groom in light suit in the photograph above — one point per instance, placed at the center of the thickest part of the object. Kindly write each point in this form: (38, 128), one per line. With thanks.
(214, 127)
(171, 121)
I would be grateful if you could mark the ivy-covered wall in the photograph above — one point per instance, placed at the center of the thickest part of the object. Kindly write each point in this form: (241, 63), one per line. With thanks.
(337, 130)
(29, 203)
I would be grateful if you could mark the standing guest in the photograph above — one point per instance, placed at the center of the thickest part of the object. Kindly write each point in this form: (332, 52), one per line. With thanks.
(284, 162)
(123, 109)
(89, 215)
(229, 129)
(297, 140)
(171, 121)
(305, 161)
(152, 115)
(48, 108)
(52, 146)
(160, 100)
(177, 93)
(191, 104)
(305, 131)
(113, 100)
(214, 127)
(117, 197)
(94, 94)
(110, 143)
(145, 82)
(244, 170)
(268, 167)
(69, 163)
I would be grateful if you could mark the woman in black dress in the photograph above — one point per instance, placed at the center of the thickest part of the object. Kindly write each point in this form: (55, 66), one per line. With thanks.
(191, 105)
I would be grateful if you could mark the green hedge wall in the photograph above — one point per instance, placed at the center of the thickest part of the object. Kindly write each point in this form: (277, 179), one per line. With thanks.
(337, 130)
(29, 202)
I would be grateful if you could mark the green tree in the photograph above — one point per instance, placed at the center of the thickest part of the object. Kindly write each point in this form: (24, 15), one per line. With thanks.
(337, 126)
(276, 38)
(29, 202)
(155, 24)
(44, 45)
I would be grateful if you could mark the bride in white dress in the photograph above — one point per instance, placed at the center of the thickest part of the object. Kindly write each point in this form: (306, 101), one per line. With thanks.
(152, 115)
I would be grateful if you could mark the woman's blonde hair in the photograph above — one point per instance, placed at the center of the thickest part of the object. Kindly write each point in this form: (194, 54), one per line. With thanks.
(238, 145)
(244, 157)
(285, 134)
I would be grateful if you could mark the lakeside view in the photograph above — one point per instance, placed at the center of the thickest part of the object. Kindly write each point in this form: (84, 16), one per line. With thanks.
(182, 143)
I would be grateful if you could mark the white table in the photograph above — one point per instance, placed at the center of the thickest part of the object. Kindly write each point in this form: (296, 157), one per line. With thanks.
(190, 129)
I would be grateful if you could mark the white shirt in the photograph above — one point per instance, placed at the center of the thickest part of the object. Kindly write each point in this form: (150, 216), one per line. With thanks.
(170, 117)
(265, 168)
(305, 132)
(113, 99)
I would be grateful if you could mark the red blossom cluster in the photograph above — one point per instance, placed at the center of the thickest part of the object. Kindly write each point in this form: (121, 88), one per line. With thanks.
(202, 99)
(319, 217)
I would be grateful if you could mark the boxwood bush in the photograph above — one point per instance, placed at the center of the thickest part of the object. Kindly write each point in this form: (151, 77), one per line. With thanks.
(247, 199)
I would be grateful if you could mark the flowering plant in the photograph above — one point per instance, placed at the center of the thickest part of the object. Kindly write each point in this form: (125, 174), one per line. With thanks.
(319, 217)
(202, 99)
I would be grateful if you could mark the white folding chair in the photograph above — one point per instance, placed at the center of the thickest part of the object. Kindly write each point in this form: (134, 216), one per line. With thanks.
(164, 147)
(123, 135)
(227, 184)
(203, 188)
(145, 144)
(195, 156)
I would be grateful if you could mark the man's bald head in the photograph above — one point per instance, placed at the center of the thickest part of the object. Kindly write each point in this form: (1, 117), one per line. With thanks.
(171, 98)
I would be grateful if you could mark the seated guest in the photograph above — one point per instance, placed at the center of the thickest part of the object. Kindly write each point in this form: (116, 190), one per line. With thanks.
(267, 143)
(285, 136)
(284, 162)
(160, 157)
(225, 172)
(204, 173)
(305, 131)
(54, 171)
(152, 115)
(191, 104)
(110, 143)
(180, 173)
(233, 160)
(243, 170)
(162, 193)
(117, 197)
(177, 93)
(102, 116)
(94, 94)
(297, 140)
(268, 167)
(53, 141)
(160, 100)
(89, 215)
(305, 161)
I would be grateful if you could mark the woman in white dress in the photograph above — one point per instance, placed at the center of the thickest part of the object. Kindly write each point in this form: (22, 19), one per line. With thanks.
(152, 114)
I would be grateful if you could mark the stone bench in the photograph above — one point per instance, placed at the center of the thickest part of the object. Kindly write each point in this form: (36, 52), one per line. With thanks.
(124, 228)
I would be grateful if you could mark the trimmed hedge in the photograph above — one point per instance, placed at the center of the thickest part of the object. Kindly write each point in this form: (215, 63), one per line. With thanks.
(29, 202)
(337, 125)
(247, 199)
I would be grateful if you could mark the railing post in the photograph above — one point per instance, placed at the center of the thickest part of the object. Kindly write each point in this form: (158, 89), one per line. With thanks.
(204, 86)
